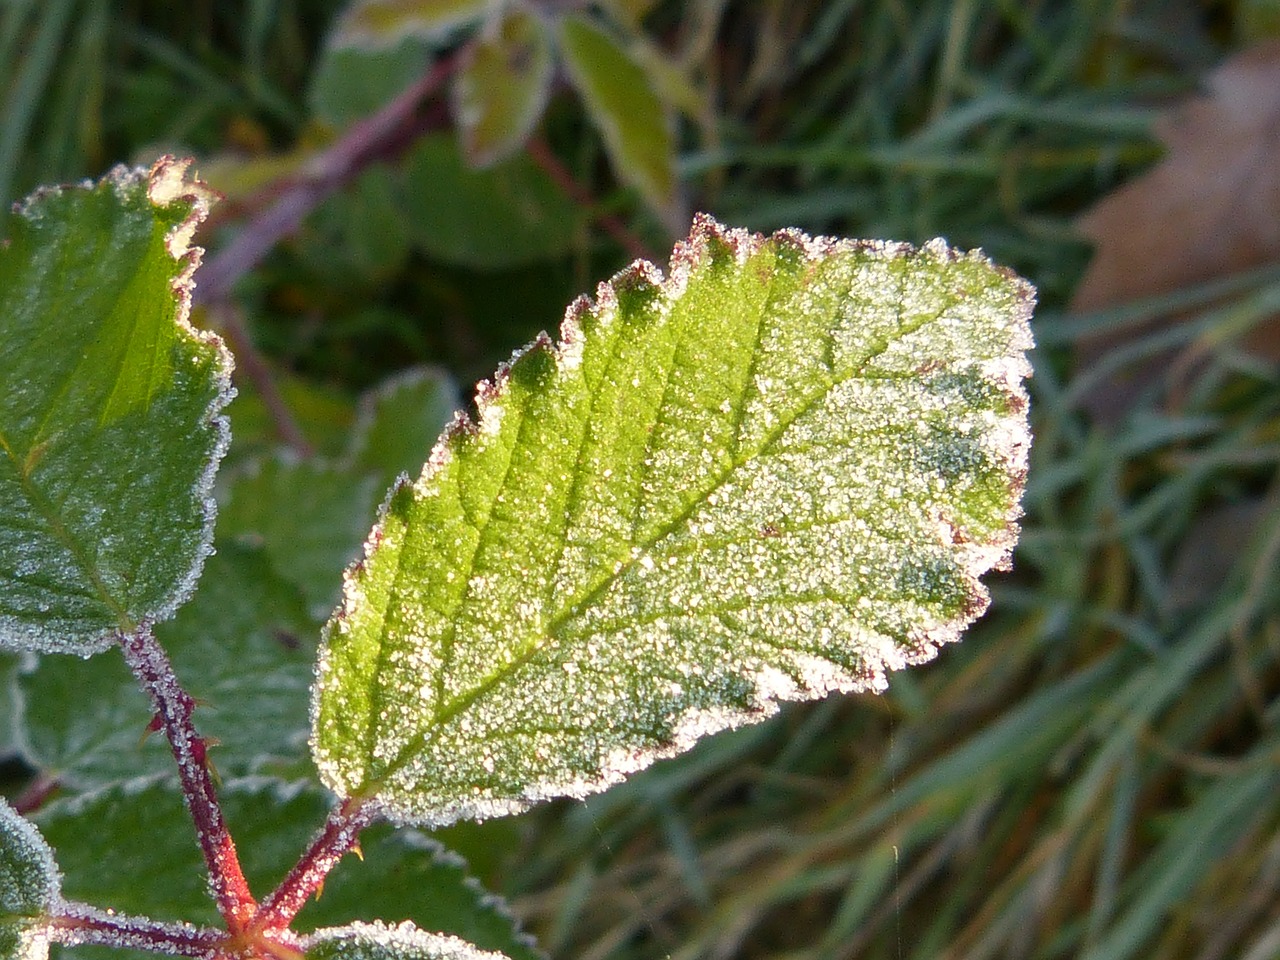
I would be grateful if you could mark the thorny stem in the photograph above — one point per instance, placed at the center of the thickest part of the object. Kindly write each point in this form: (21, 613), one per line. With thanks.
(542, 154)
(78, 923)
(334, 841)
(377, 136)
(174, 706)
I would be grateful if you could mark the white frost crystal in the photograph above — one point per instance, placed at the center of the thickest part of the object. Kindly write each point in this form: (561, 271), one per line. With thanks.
(29, 887)
(378, 941)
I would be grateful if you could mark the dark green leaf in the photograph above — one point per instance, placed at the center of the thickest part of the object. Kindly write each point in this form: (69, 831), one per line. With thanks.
(109, 426)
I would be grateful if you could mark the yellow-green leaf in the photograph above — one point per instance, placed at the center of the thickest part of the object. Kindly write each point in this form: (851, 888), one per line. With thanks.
(776, 473)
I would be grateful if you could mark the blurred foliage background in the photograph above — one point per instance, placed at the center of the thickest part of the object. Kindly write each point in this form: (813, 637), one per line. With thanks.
(1095, 771)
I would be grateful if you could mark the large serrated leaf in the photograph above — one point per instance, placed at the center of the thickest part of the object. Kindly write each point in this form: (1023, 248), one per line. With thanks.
(378, 941)
(622, 103)
(775, 474)
(109, 426)
(29, 887)
(500, 91)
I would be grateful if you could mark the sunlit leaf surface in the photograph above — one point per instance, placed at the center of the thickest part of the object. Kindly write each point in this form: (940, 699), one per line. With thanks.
(774, 474)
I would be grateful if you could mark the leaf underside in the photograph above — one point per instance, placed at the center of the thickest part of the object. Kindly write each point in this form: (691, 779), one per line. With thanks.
(774, 474)
(109, 426)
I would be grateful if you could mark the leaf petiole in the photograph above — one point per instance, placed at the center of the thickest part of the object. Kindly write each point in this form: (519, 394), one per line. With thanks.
(174, 706)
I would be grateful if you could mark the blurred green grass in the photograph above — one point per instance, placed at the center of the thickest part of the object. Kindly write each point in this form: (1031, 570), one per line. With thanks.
(1094, 771)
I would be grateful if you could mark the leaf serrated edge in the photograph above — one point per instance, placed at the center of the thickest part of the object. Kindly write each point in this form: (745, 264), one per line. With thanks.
(167, 183)
(1013, 442)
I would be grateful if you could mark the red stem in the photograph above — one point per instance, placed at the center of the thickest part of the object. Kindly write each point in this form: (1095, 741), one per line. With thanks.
(78, 923)
(174, 706)
(336, 838)
(37, 792)
(366, 141)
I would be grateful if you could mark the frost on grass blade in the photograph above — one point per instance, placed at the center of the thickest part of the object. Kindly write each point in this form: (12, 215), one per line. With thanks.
(109, 410)
(377, 941)
(29, 888)
(774, 474)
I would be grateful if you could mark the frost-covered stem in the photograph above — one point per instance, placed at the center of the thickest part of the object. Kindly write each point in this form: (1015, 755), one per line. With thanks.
(542, 154)
(375, 137)
(335, 839)
(174, 706)
(78, 923)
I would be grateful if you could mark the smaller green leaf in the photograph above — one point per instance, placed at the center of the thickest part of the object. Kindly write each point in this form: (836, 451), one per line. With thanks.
(510, 214)
(380, 23)
(501, 90)
(352, 82)
(308, 516)
(244, 645)
(622, 103)
(399, 421)
(30, 887)
(377, 941)
(402, 874)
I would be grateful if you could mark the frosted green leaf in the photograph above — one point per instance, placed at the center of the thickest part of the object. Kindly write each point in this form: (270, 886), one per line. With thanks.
(29, 887)
(499, 93)
(622, 103)
(377, 23)
(378, 941)
(775, 474)
(109, 426)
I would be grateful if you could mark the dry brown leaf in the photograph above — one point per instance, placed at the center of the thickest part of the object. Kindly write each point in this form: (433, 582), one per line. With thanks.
(1209, 209)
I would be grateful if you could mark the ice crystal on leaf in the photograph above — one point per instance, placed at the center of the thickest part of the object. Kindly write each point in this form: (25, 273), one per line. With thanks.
(776, 473)
(109, 425)
(378, 941)
(29, 888)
